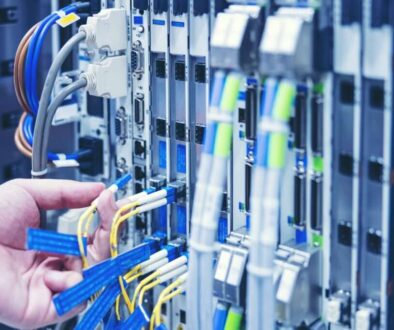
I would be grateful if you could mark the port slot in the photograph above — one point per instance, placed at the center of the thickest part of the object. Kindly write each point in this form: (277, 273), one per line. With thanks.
(137, 59)
(316, 203)
(139, 110)
(160, 68)
(160, 127)
(140, 148)
(180, 131)
(139, 173)
(121, 124)
(346, 164)
(300, 200)
(248, 185)
(351, 11)
(200, 73)
(251, 113)
(300, 121)
(141, 4)
(160, 6)
(344, 232)
(200, 133)
(180, 71)
(317, 124)
(93, 164)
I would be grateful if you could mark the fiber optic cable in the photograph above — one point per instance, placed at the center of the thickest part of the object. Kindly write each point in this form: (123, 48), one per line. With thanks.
(267, 173)
(88, 216)
(171, 291)
(201, 272)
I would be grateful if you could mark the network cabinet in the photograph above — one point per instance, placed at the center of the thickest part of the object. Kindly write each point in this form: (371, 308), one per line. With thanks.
(265, 128)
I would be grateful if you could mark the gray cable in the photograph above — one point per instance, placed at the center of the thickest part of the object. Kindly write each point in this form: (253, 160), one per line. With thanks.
(55, 104)
(39, 160)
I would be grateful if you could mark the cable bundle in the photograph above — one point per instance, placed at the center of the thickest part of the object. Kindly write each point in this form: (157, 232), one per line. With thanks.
(25, 79)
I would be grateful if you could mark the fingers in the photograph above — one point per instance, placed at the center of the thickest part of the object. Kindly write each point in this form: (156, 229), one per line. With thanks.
(59, 194)
(99, 249)
(58, 281)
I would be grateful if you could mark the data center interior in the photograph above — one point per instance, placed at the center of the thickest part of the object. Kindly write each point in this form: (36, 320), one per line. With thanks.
(252, 139)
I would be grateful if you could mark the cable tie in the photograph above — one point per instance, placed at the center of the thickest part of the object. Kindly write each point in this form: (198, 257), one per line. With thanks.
(39, 173)
(53, 242)
(261, 272)
(78, 294)
(201, 247)
(100, 307)
(268, 124)
(61, 13)
(137, 321)
(220, 117)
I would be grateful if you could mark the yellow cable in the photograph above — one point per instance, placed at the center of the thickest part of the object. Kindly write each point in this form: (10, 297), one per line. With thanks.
(117, 220)
(91, 209)
(140, 286)
(146, 288)
(163, 300)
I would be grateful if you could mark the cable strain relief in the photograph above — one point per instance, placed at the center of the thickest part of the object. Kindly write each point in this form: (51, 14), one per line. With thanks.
(89, 31)
(90, 80)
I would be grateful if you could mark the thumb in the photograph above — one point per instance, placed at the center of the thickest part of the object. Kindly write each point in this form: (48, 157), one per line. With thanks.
(58, 281)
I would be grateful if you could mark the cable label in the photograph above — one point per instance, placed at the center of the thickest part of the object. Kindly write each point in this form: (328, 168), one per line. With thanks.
(68, 20)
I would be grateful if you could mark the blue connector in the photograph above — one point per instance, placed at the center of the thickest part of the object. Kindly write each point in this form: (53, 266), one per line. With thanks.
(53, 242)
(112, 323)
(123, 181)
(220, 317)
(123, 261)
(137, 321)
(172, 252)
(102, 276)
(156, 241)
(161, 327)
(100, 307)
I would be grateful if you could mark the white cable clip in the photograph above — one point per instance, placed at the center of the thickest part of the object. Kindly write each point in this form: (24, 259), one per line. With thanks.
(39, 173)
(270, 125)
(220, 117)
(61, 13)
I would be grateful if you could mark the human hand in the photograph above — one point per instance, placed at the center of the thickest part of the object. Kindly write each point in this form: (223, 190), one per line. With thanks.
(29, 279)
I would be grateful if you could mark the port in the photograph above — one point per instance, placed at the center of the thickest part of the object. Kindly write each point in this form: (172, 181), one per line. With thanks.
(95, 106)
(160, 6)
(251, 113)
(200, 133)
(180, 71)
(300, 122)
(137, 58)
(316, 203)
(344, 232)
(180, 131)
(317, 124)
(248, 185)
(346, 164)
(139, 110)
(200, 7)
(140, 148)
(121, 124)
(160, 68)
(179, 7)
(300, 200)
(141, 5)
(161, 127)
(200, 73)
(347, 92)
(139, 173)
(374, 241)
(375, 169)
(93, 164)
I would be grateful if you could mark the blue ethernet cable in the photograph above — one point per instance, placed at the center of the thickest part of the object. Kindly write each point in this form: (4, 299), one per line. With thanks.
(30, 72)
(220, 317)
(103, 276)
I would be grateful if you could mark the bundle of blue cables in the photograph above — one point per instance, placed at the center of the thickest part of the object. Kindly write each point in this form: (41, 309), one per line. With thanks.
(31, 68)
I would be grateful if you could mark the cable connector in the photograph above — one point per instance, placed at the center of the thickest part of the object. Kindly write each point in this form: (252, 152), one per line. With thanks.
(101, 277)
(107, 30)
(138, 320)
(53, 242)
(100, 307)
(107, 78)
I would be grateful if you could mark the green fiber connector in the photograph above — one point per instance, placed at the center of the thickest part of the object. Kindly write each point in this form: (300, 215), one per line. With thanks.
(277, 150)
(318, 164)
(318, 88)
(224, 136)
(317, 240)
(234, 320)
(230, 93)
(284, 101)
